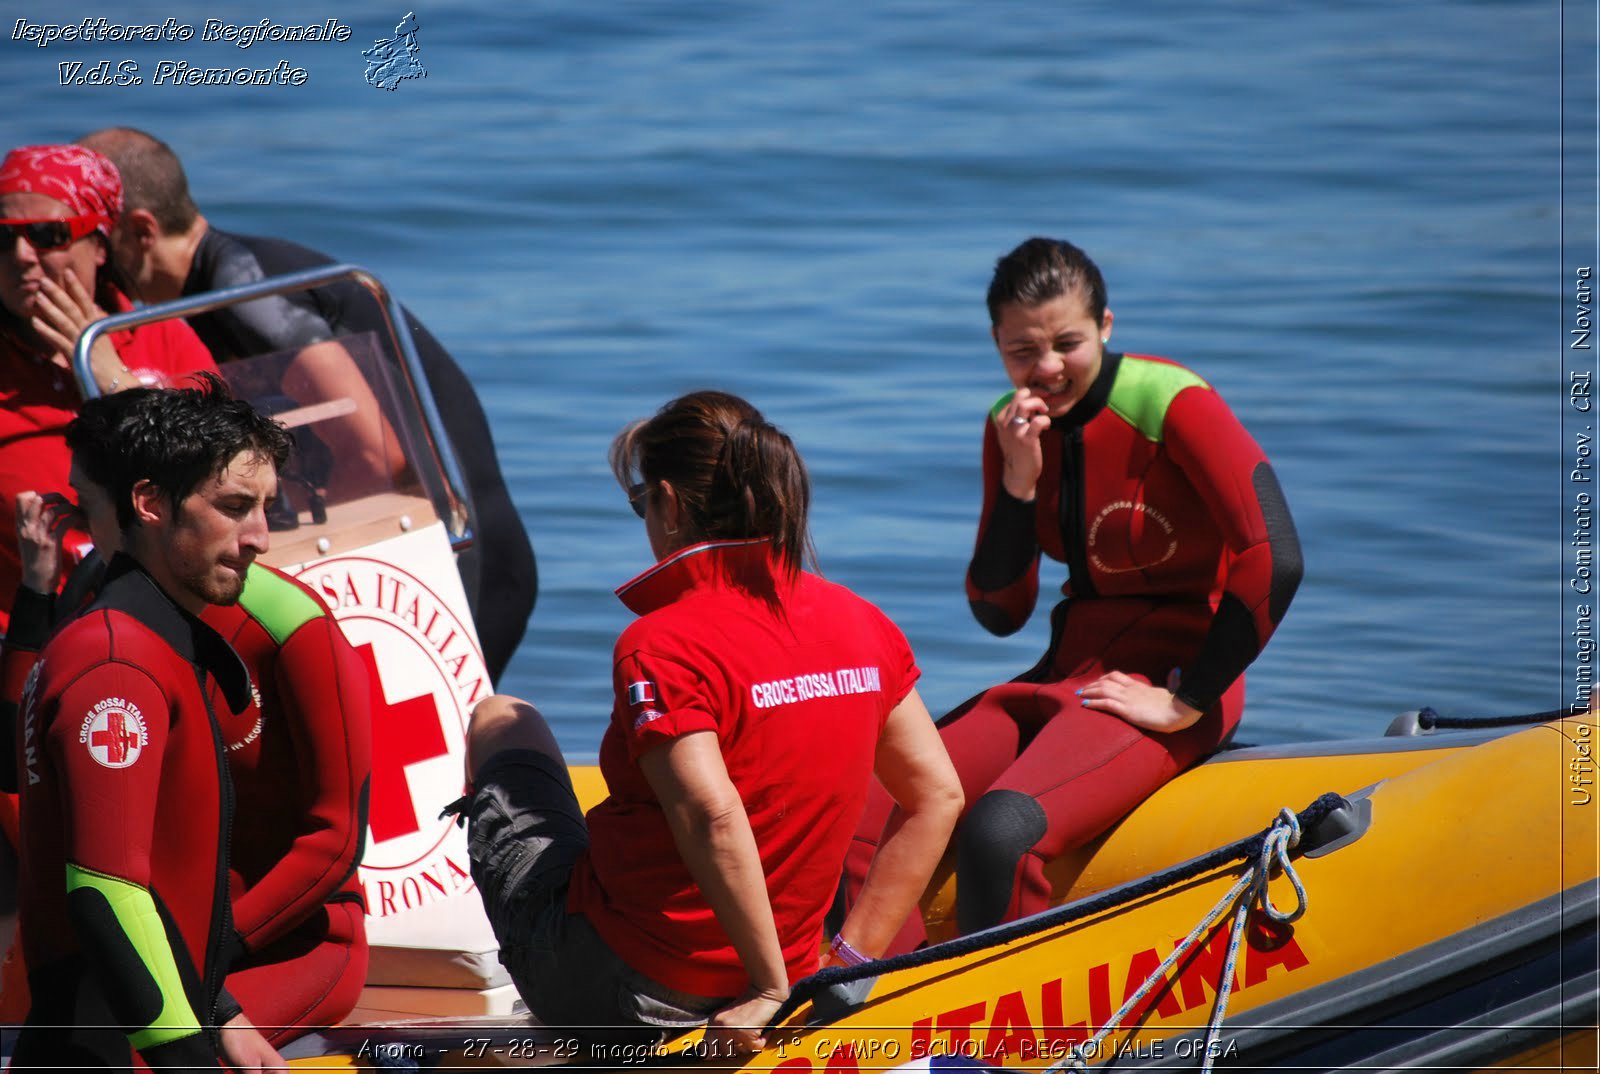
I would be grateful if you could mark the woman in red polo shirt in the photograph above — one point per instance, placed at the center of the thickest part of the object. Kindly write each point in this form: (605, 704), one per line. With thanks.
(753, 703)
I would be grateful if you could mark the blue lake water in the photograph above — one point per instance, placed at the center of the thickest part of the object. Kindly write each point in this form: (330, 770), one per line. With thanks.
(1346, 217)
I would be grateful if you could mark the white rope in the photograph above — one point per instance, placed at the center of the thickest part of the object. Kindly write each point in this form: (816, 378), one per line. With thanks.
(1249, 890)
(1284, 836)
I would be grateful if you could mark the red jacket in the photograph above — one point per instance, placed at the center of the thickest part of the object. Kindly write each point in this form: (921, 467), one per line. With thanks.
(300, 755)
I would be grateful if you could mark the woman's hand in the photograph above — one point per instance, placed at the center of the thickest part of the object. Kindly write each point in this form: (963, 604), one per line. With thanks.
(40, 523)
(1019, 424)
(737, 1028)
(63, 314)
(1135, 700)
(713, 835)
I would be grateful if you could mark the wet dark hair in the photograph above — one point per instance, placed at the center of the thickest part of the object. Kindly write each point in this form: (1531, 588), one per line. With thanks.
(1042, 269)
(736, 474)
(175, 438)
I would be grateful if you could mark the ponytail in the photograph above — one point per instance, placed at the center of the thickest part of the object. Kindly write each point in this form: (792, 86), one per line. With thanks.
(737, 475)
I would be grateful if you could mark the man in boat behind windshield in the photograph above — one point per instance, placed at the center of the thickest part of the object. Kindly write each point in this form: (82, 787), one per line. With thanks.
(168, 249)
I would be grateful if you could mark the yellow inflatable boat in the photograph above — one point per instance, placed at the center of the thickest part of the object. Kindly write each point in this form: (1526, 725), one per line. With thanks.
(1448, 896)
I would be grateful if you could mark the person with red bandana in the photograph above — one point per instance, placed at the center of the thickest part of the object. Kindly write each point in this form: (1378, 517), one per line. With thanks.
(753, 703)
(126, 803)
(1182, 559)
(58, 207)
(299, 755)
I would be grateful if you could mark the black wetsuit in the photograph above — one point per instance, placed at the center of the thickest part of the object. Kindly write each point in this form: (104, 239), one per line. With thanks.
(498, 572)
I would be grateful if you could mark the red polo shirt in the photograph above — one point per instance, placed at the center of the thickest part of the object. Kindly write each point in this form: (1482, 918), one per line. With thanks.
(796, 679)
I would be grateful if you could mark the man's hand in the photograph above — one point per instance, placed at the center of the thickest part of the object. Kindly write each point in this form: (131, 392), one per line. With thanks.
(63, 314)
(246, 1050)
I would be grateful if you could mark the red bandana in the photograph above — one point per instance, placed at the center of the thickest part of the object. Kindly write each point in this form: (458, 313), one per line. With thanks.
(81, 179)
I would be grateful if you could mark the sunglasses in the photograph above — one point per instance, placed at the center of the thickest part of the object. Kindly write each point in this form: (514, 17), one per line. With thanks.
(637, 497)
(49, 234)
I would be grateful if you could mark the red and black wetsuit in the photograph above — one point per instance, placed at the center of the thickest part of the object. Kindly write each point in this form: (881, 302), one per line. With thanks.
(300, 759)
(498, 571)
(124, 903)
(1182, 555)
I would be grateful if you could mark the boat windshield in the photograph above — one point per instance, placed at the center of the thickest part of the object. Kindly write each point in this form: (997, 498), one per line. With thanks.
(358, 469)
(371, 459)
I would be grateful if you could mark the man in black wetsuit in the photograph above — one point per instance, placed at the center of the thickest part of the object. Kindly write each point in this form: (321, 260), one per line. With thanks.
(167, 249)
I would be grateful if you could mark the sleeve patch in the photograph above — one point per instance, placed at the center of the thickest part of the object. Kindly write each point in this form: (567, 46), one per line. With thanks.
(643, 697)
(114, 732)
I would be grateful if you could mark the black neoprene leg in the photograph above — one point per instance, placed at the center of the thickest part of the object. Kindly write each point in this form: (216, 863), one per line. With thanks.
(1001, 828)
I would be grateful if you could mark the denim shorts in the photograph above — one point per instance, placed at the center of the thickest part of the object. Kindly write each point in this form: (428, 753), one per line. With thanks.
(525, 831)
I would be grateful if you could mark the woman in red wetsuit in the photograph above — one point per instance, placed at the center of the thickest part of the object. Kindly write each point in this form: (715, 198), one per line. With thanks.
(1182, 559)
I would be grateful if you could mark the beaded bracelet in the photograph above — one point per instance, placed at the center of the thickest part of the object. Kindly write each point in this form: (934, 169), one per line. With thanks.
(840, 949)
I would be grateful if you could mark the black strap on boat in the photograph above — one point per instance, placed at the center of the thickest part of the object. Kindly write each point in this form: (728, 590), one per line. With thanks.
(1428, 719)
(1247, 848)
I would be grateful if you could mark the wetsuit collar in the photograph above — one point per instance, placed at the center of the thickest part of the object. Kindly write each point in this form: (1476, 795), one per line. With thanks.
(746, 564)
(199, 259)
(128, 589)
(1094, 400)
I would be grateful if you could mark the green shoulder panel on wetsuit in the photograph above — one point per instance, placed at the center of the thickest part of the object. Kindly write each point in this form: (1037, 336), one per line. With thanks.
(136, 916)
(281, 608)
(1000, 404)
(1145, 389)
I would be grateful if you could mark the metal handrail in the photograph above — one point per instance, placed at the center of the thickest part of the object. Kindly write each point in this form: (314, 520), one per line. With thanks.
(457, 521)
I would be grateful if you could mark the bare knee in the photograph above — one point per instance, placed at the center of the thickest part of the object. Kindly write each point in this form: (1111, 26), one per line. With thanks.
(502, 722)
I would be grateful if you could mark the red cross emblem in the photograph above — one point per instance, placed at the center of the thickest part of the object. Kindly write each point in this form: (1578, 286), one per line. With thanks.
(403, 732)
(115, 736)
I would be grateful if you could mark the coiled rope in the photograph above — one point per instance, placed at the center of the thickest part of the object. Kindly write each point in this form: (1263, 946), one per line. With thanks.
(1253, 847)
(1250, 890)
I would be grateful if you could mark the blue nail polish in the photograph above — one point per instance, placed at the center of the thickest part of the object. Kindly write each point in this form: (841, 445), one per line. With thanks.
(1079, 691)
(1085, 703)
